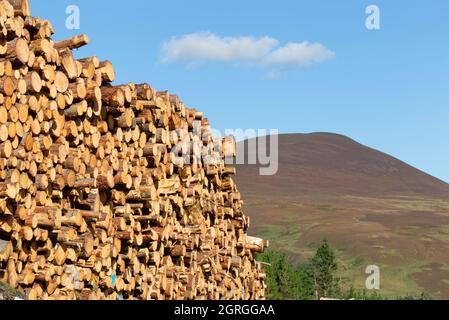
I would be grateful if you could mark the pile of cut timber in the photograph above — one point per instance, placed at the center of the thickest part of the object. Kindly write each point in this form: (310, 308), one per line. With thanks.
(94, 203)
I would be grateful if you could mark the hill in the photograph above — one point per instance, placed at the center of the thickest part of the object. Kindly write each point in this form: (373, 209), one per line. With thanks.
(373, 208)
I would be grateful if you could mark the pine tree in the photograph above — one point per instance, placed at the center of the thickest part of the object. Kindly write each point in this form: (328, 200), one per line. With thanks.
(301, 284)
(285, 281)
(322, 268)
(278, 275)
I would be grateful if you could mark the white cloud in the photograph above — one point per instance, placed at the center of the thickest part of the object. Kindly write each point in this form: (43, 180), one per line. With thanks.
(201, 47)
(206, 46)
(299, 54)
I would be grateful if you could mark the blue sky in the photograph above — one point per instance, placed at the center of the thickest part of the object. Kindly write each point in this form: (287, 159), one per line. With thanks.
(388, 89)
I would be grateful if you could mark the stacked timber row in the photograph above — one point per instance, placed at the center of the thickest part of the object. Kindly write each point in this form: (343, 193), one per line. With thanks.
(94, 201)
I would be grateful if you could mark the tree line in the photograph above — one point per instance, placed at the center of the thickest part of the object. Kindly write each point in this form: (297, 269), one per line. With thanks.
(315, 279)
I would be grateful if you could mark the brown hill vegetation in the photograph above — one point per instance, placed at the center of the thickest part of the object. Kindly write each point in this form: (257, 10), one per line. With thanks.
(374, 208)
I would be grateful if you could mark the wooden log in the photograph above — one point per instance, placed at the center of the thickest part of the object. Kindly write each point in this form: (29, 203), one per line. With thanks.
(33, 82)
(76, 110)
(21, 7)
(61, 82)
(5, 149)
(17, 50)
(79, 90)
(72, 43)
(113, 96)
(69, 64)
(7, 86)
(89, 188)
(8, 190)
(107, 71)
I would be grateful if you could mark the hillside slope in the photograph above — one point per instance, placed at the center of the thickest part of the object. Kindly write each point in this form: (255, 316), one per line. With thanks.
(333, 163)
(374, 209)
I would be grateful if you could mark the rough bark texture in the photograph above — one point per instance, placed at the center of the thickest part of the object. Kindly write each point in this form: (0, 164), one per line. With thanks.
(95, 200)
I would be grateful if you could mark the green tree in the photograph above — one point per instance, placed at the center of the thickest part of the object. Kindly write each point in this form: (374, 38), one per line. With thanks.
(315, 279)
(312, 280)
(322, 268)
(284, 280)
(278, 274)
(301, 284)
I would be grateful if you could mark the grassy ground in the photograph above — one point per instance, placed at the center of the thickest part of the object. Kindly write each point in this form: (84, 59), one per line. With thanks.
(408, 238)
(8, 293)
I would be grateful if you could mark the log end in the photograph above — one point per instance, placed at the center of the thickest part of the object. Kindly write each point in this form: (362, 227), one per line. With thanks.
(22, 50)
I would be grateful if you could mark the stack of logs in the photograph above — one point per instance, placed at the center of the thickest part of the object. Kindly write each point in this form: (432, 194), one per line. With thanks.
(94, 203)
